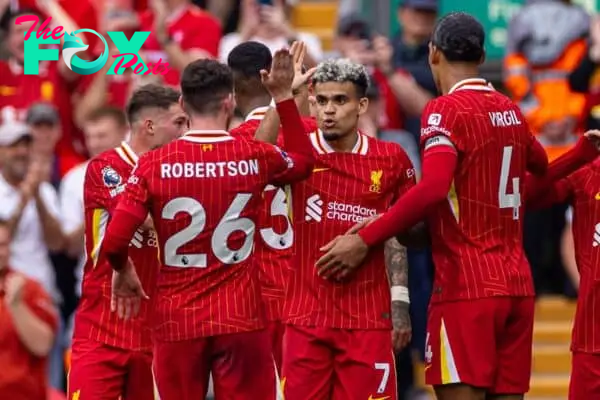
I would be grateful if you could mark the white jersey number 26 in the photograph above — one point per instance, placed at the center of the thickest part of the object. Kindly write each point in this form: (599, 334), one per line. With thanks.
(229, 223)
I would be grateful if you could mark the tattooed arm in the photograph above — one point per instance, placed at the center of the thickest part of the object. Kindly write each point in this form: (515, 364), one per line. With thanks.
(397, 268)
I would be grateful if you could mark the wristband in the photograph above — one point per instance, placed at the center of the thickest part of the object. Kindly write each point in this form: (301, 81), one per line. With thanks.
(400, 293)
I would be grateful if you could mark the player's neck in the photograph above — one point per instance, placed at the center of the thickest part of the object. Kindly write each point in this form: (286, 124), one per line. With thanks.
(198, 123)
(344, 144)
(456, 75)
(138, 145)
(247, 106)
(175, 4)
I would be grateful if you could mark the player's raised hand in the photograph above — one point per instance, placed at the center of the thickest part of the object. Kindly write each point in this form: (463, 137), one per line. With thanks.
(127, 292)
(343, 255)
(402, 329)
(593, 136)
(279, 80)
(301, 77)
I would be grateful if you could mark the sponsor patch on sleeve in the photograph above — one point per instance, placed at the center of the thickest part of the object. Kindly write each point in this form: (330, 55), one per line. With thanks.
(286, 157)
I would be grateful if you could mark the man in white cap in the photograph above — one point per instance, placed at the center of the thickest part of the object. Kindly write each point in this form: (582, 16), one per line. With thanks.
(30, 205)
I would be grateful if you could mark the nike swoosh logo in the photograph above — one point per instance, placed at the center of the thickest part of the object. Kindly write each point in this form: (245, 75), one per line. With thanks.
(379, 398)
(321, 170)
(597, 197)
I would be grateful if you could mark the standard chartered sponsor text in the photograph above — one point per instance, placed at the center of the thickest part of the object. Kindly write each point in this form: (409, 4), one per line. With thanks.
(348, 212)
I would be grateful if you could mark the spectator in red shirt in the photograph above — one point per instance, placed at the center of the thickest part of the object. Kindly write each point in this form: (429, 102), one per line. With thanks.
(53, 84)
(28, 323)
(181, 33)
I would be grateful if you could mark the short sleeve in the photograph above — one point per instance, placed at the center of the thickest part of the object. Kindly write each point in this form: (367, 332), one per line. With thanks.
(439, 125)
(40, 303)
(407, 176)
(102, 185)
(135, 200)
(206, 35)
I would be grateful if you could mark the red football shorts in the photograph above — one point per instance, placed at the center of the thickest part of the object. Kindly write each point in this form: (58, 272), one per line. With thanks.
(484, 343)
(585, 376)
(276, 330)
(102, 372)
(328, 363)
(241, 365)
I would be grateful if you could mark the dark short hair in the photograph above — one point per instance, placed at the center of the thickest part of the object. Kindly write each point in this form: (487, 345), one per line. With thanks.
(248, 58)
(373, 93)
(204, 85)
(460, 37)
(150, 96)
(110, 112)
(343, 70)
(8, 18)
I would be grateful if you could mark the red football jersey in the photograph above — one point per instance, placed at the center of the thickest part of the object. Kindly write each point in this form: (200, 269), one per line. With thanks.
(190, 27)
(477, 233)
(105, 180)
(204, 194)
(344, 189)
(273, 249)
(581, 189)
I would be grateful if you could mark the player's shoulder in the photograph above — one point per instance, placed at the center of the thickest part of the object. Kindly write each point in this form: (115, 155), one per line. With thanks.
(310, 124)
(107, 166)
(382, 147)
(246, 129)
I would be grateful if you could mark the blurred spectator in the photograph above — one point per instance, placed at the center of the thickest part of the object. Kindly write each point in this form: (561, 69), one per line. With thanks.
(28, 324)
(44, 123)
(53, 84)
(226, 11)
(411, 45)
(540, 55)
(399, 92)
(539, 59)
(30, 205)
(411, 49)
(270, 26)
(181, 33)
(104, 129)
(100, 89)
(585, 78)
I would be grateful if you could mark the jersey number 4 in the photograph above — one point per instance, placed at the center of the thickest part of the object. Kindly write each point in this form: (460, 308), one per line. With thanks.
(229, 223)
(506, 200)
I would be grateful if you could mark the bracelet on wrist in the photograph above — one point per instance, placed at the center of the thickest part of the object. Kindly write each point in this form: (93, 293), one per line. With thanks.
(400, 293)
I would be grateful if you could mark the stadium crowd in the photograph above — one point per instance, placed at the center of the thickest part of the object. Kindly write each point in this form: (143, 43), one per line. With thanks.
(54, 124)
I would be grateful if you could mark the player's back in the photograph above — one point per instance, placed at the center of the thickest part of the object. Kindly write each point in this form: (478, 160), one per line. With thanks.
(344, 189)
(105, 181)
(205, 194)
(477, 232)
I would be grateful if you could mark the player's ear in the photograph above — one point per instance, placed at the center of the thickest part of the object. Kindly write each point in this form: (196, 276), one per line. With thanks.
(482, 59)
(149, 126)
(363, 105)
(181, 102)
(434, 54)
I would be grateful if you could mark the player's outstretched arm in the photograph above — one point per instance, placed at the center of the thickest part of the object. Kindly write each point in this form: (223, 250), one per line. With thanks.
(542, 190)
(348, 252)
(278, 82)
